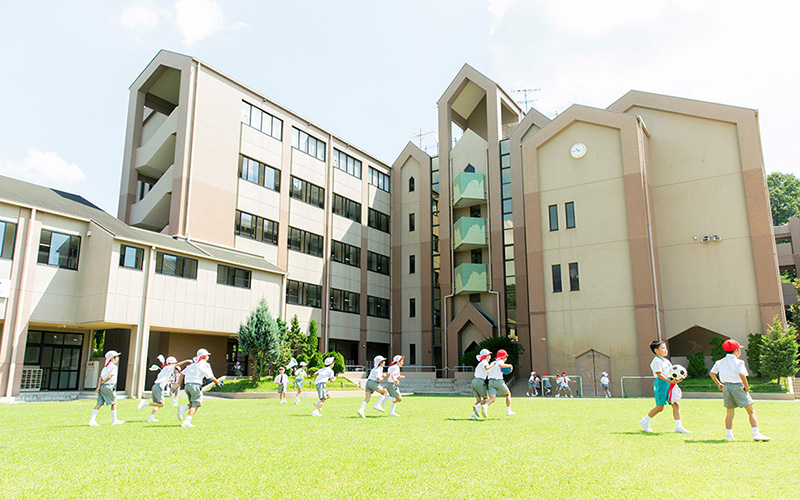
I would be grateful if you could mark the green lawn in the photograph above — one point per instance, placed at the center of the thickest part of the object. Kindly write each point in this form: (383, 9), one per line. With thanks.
(266, 384)
(757, 385)
(552, 449)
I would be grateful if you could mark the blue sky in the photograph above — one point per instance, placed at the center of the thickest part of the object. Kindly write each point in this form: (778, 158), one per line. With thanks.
(372, 71)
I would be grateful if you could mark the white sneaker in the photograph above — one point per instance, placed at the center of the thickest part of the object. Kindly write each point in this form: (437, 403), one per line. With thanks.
(760, 437)
(187, 424)
(152, 418)
(181, 411)
(484, 411)
(360, 412)
(117, 422)
(393, 414)
(379, 408)
(316, 413)
(645, 425)
(558, 395)
(297, 401)
(509, 412)
(681, 430)
(571, 395)
(474, 416)
(142, 404)
(174, 402)
(93, 423)
(729, 438)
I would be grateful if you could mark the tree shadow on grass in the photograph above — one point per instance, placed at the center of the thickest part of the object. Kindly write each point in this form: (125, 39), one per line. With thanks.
(705, 441)
(640, 433)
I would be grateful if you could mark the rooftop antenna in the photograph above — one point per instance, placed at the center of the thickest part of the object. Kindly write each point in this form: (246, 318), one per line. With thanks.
(421, 135)
(525, 100)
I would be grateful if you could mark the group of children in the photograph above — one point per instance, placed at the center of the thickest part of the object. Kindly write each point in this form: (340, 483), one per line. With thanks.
(385, 385)
(488, 382)
(537, 384)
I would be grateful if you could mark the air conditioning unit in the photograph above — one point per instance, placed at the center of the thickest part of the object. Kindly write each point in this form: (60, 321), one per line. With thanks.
(92, 374)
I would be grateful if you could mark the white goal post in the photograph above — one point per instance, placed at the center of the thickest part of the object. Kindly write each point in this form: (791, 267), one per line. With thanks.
(635, 385)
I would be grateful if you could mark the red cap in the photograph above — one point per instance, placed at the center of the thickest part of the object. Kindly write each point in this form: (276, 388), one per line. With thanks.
(730, 345)
(563, 373)
(502, 354)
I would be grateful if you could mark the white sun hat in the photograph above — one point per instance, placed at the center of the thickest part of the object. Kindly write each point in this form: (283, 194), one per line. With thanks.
(112, 355)
(378, 359)
(329, 361)
(397, 359)
(303, 363)
(484, 353)
(171, 360)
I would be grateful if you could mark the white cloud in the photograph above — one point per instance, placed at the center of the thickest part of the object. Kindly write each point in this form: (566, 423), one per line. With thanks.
(139, 19)
(198, 19)
(498, 9)
(46, 168)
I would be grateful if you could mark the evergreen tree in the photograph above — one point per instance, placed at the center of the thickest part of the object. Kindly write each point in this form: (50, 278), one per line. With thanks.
(296, 338)
(312, 342)
(754, 343)
(779, 351)
(260, 338)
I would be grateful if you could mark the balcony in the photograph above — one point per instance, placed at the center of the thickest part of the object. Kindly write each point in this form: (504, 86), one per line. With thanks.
(468, 189)
(470, 233)
(152, 211)
(156, 155)
(471, 278)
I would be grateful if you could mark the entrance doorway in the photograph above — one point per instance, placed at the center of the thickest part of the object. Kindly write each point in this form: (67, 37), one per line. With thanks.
(590, 365)
(59, 357)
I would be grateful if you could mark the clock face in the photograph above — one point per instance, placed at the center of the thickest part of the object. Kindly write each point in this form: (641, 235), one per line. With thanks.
(578, 150)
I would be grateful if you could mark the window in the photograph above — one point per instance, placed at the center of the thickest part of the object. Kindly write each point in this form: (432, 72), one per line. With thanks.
(410, 222)
(307, 192)
(262, 121)
(378, 263)
(346, 163)
(305, 242)
(173, 265)
(475, 298)
(378, 220)
(574, 284)
(346, 208)
(245, 225)
(476, 256)
(346, 254)
(411, 264)
(256, 228)
(411, 185)
(469, 168)
(412, 308)
(377, 307)
(57, 249)
(475, 211)
(412, 354)
(308, 144)
(259, 173)
(8, 233)
(378, 179)
(569, 207)
(131, 257)
(144, 187)
(303, 294)
(344, 301)
(556, 278)
(553, 217)
(233, 276)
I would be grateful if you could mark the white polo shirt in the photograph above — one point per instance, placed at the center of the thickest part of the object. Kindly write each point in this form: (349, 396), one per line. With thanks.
(604, 380)
(660, 365)
(480, 371)
(375, 373)
(194, 373)
(165, 375)
(300, 374)
(394, 374)
(324, 375)
(110, 370)
(496, 372)
(729, 368)
(281, 379)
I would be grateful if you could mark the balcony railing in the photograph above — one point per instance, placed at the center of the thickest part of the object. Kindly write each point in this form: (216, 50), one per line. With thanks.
(469, 189)
(471, 278)
(469, 233)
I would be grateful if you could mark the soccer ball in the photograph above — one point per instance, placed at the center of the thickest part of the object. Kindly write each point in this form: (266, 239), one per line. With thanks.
(506, 371)
(677, 374)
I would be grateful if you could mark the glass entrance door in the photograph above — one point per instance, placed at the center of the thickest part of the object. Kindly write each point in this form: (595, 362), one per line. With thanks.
(59, 357)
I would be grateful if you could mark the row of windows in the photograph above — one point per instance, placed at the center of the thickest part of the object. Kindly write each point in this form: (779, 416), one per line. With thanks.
(261, 120)
(379, 179)
(303, 294)
(378, 220)
(303, 241)
(378, 263)
(574, 282)
(508, 239)
(308, 144)
(259, 173)
(346, 208)
(256, 228)
(344, 301)
(346, 254)
(569, 209)
(346, 163)
(307, 192)
(377, 307)
(8, 232)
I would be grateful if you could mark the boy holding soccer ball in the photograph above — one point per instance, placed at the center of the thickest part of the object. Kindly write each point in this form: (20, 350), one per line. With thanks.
(732, 382)
(661, 387)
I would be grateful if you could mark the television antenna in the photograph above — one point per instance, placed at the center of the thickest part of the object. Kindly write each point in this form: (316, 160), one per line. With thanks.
(525, 99)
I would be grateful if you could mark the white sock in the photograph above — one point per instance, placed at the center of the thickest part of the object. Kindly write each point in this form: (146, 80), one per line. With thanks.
(678, 424)
(729, 433)
(381, 400)
(755, 431)
(363, 405)
(646, 418)
(477, 407)
(394, 405)
(113, 415)
(188, 419)
(94, 414)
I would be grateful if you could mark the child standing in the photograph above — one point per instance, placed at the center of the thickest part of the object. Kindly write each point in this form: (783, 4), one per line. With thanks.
(547, 389)
(604, 383)
(324, 376)
(479, 385)
(193, 384)
(564, 388)
(393, 382)
(282, 380)
(559, 386)
(496, 382)
(106, 389)
(373, 384)
(661, 387)
(161, 385)
(735, 389)
(299, 375)
(531, 385)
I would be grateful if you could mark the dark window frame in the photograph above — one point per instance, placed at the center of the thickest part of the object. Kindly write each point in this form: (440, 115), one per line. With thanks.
(553, 214)
(574, 277)
(185, 267)
(556, 278)
(379, 263)
(138, 257)
(569, 209)
(70, 260)
(233, 276)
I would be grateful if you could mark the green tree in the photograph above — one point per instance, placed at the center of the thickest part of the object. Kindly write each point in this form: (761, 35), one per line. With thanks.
(784, 197)
(494, 344)
(297, 340)
(717, 352)
(312, 342)
(338, 361)
(779, 351)
(98, 343)
(260, 338)
(697, 364)
(754, 343)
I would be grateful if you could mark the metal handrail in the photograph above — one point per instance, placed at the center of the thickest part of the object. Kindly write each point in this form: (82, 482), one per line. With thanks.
(419, 368)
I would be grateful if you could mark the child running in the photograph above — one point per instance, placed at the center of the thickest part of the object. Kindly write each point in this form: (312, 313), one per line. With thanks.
(604, 383)
(161, 385)
(532, 385)
(299, 375)
(496, 382)
(735, 389)
(392, 383)
(324, 376)
(282, 380)
(564, 385)
(193, 385)
(373, 385)
(481, 406)
(175, 386)
(106, 389)
(661, 367)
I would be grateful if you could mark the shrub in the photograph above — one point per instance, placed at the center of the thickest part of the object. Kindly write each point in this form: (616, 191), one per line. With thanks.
(260, 338)
(494, 344)
(717, 352)
(779, 351)
(755, 341)
(338, 361)
(697, 364)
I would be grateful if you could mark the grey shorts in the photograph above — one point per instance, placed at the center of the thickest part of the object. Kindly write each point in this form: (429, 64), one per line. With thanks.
(372, 386)
(174, 388)
(531, 386)
(107, 395)
(158, 393)
(605, 387)
(392, 389)
(497, 385)
(734, 396)
(479, 388)
(281, 388)
(298, 384)
(195, 394)
(322, 390)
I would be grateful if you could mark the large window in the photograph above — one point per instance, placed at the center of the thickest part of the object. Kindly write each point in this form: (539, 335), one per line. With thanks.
(569, 208)
(308, 144)
(379, 179)
(256, 228)
(553, 210)
(307, 192)
(378, 220)
(344, 301)
(303, 294)
(259, 173)
(378, 263)
(574, 284)
(57, 249)
(346, 208)
(261, 120)
(303, 241)
(8, 232)
(174, 265)
(346, 163)
(131, 257)
(377, 307)
(556, 278)
(233, 276)
(346, 254)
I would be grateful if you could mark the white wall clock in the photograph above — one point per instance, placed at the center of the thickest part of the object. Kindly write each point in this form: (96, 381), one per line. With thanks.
(578, 150)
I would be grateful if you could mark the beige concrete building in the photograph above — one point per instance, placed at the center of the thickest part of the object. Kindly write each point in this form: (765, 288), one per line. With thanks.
(587, 236)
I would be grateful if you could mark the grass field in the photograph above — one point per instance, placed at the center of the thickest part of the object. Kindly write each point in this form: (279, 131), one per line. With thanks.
(266, 384)
(552, 449)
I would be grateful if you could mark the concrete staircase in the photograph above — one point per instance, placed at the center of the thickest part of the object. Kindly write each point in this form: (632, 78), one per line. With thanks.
(439, 386)
(796, 381)
(41, 396)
